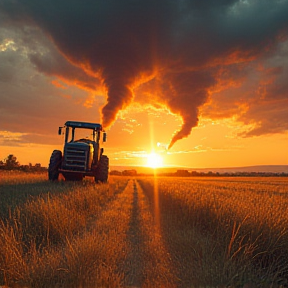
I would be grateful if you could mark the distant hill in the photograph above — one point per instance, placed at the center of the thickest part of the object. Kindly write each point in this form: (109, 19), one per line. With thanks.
(258, 168)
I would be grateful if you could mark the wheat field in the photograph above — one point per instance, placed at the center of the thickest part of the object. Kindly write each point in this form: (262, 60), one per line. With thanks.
(143, 232)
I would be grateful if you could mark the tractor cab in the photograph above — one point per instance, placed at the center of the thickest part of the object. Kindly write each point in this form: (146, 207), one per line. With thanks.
(80, 131)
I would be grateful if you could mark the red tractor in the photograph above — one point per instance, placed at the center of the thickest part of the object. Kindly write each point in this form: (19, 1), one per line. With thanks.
(82, 155)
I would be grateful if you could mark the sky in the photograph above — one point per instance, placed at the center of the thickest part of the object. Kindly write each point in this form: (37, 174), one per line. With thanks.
(201, 83)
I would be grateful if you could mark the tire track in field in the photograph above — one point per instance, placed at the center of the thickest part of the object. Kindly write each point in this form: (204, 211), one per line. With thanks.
(134, 263)
(124, 248)
(147, 262)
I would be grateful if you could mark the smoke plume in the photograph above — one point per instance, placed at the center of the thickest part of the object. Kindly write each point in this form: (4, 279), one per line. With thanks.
(172, 50)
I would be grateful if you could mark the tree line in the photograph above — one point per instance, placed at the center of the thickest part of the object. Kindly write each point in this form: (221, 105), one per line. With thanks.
(11, 163)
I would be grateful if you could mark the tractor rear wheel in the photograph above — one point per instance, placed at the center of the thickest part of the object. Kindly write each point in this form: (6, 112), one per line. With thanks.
(102, 170)
(54, 164)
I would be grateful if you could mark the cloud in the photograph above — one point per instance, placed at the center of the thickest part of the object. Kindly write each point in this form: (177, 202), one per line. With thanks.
(256, 95)
(167, 53)
(30, 103)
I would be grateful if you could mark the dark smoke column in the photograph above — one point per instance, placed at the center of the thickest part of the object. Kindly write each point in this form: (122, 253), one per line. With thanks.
(117, 79)
(120, 42)
(187, 91)
(119, 97)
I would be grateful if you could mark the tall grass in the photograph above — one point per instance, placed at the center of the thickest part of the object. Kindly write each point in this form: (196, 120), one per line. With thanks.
(167, 232)
(18, 187)
(48, 226)
(225, 233)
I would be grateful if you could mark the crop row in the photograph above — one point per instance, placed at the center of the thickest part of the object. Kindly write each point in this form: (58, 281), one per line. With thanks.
(224, 232)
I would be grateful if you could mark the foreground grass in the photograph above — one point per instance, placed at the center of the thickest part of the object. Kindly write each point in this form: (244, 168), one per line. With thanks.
(145, 232)
(224, 232)
(48, 237)
(18, 187)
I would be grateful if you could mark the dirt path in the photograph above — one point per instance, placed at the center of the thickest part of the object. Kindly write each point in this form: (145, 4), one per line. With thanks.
(147, 262)
(134, 262)
(131, 251)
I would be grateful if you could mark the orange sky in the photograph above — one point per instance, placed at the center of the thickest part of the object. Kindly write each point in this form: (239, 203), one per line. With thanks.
(138, 131)
(208, 79)
(45, 102)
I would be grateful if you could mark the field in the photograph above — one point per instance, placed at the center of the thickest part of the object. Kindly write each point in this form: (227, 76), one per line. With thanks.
(143, 232)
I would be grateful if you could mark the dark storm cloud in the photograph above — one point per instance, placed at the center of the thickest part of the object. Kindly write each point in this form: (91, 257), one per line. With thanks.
(55, 65)
(27, 101)
(173, 50)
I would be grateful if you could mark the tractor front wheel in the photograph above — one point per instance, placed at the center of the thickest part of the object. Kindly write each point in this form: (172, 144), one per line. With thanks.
(54, 164)
(102, 170)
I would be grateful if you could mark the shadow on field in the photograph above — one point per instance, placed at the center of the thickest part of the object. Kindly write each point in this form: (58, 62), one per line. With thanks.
(12, 195)
(133, 267)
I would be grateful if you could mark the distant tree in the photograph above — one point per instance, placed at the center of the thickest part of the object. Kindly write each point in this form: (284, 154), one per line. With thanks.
(129, 172)
(11, 162)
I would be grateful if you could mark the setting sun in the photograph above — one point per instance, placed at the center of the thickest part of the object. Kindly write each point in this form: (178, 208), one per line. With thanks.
(154, 160)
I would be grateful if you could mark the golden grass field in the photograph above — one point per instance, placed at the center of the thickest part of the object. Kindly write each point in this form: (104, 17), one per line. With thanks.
(143, 232)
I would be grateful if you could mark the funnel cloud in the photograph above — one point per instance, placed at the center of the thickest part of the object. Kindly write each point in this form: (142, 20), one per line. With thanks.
(175, 54)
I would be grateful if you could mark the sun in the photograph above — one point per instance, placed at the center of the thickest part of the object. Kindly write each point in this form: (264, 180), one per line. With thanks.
(154, 160)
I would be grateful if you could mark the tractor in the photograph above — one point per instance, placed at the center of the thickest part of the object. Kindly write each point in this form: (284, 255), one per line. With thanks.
(82, 155)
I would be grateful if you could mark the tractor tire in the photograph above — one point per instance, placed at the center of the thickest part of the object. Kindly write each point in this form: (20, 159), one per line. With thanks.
(102, 170)
(54, 164)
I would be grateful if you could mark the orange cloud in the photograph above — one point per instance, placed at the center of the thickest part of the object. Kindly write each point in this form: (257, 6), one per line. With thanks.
(177, 54)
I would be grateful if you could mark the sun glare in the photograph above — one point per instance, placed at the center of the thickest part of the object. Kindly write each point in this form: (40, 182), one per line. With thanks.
(154, 160)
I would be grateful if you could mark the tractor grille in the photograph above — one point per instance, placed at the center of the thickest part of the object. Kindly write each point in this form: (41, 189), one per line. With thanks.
(75, 157)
